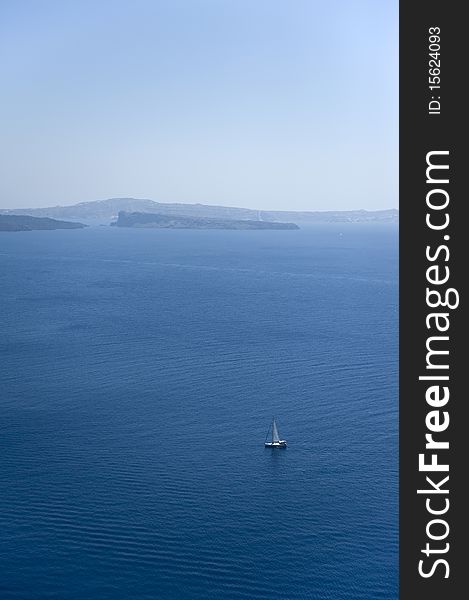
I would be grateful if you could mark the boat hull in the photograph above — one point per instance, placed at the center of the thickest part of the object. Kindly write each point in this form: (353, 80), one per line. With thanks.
(281, 444)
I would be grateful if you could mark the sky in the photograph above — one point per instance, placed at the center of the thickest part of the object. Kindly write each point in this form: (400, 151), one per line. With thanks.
(288, 104)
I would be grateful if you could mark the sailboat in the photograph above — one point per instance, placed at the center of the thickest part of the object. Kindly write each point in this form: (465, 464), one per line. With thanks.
(276, 441)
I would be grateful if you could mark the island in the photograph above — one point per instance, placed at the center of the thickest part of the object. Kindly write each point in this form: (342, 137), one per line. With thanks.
(159, 221)
(100, 212)
(28, 223)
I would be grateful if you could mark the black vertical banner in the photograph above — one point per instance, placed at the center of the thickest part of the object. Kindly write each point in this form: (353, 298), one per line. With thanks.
(433, 267)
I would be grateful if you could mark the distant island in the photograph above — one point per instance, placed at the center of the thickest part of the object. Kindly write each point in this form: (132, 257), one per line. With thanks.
(28, 223)
(104, 211)
(159, 221)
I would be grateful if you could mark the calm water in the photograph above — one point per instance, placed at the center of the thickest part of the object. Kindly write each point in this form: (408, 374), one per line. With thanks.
(139, 373)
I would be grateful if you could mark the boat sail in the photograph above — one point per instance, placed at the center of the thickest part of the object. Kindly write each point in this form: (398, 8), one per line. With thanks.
(276, 441)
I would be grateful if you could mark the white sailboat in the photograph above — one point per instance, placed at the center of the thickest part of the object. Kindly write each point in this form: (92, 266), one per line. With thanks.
(276, 442)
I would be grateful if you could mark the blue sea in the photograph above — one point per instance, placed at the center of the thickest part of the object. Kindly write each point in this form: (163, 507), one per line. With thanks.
(140, 370)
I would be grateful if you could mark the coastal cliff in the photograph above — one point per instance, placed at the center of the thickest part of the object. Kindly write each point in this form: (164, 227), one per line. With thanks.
(159, 221)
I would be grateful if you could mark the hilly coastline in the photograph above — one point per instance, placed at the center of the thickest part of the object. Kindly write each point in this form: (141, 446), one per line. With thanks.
(105, 211)
(28, 223)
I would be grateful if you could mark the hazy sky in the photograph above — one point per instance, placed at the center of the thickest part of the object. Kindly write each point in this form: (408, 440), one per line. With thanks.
(286, 104)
